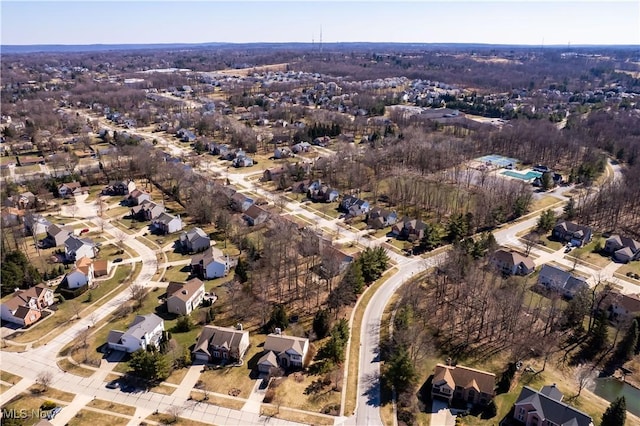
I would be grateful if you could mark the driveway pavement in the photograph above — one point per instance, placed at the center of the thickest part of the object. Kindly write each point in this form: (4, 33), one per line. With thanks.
(441, 415)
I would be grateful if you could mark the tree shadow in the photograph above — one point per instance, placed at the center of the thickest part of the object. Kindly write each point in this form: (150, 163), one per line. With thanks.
(372, 389)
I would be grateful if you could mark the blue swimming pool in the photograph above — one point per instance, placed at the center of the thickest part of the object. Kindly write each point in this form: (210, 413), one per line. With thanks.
(530, 175)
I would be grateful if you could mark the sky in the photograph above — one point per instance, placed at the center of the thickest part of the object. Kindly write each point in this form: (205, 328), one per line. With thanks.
(537, 22)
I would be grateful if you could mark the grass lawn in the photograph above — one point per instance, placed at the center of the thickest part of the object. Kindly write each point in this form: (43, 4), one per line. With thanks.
(586, 254)
(52, 393)
(176, 273)
(118, 212)
(4, 388)
(354, 348)
(330, 210)
(223, 380)
(220, 401)
(544, 202)
(90, 418)
(177, 376)
(167, 419)
(633, 267)
(173, 256)
(5, 376)
(163, 389)
(290, 393)
(270, 410)
(76, 370)
(112, 406)
(553, 245)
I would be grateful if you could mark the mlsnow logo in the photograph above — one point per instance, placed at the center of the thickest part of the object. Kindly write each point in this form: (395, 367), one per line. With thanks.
(23, 413)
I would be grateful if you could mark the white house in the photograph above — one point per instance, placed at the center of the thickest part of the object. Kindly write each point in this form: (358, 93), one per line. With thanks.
(182, 299)
(167, 223)
(211, 263)
(144, 331)
(82, 274)
(76, 248)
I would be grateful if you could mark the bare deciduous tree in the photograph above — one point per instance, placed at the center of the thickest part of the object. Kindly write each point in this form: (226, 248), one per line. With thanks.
(138, 293)
(44, 379)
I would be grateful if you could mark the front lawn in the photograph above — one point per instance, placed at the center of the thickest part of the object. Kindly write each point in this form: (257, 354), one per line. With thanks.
(89, 417)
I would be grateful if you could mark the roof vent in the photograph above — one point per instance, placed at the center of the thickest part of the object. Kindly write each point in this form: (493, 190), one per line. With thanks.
(184, 291)
(239, 326)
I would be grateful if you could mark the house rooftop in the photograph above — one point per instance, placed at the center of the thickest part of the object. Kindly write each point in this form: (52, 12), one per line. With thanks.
(279, 343)
(466, 377)
(184, 291)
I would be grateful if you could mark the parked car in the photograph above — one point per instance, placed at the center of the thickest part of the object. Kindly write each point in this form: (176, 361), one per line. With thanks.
(84, 231)
(114, 384)
(52, 414)
(568, 248)
(117, 260)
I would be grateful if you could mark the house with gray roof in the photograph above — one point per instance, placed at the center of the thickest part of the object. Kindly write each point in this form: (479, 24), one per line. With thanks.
(577, 235)
(57, 235)
(147, 210)
(195, 240)
(283, 351)
(561, 281)
(545, 407)
(77, 248)
(511, 262)
(144, 331)
(623, 249)
(221, 344)
(167, 223)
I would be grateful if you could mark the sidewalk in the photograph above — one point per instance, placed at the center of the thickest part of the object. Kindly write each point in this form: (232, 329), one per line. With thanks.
(254, 402)
(189, 382)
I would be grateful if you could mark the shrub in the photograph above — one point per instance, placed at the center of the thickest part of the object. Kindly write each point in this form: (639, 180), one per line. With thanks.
(48, 405)
(269, 396)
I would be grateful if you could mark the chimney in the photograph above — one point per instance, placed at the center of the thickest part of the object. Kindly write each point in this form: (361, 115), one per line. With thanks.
(278, 331)
(239, 326)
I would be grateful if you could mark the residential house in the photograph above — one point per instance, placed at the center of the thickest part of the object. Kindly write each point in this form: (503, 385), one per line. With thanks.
(283, 351)
(36, 224)
(255, 215)
(221, 343)
(57, 235)
(12, 216)
(379, 218)
(622, 307)
(319, 192)
(354, 206)
(144, 331)
(282, 152)
(194, 240)
(76, 248)
(301, 147)
(463, 384)
(511, 262)
(274, 173)
(119, 188)
(334, 261)
(69, 189)
(186, 135)
(211, 263)
(183, 298)
(25, 306)
(623, 249)
(167, 223)
(561, 281)
(242, 160)
(577, 235)
(147, 210)
(409, 229)
(545, 407)
(82, 274)
(240, 202)
(100, 268)
(137, 196)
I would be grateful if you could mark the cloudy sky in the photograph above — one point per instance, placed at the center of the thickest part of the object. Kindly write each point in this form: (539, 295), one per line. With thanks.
(419, 21)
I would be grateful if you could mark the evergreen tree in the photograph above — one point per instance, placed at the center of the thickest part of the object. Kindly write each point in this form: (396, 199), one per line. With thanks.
(353, 279)
(570, 209)
(456, 228)
(242, 270)
(598, 338)
(547, 181)
(547, 220)
(430, 238)
(149, 365)
(616, 413)
(279, 318)
(627, 346)
(399, 371)
(321, 323)
(373, 262)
